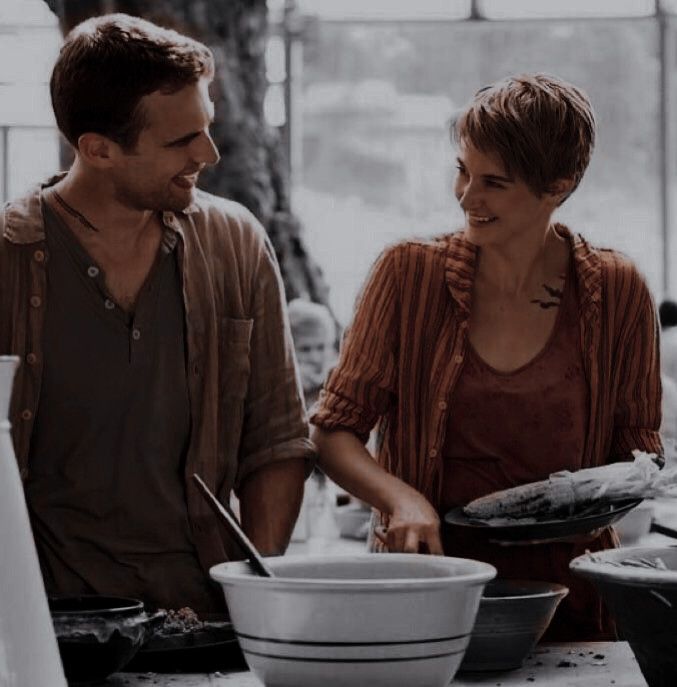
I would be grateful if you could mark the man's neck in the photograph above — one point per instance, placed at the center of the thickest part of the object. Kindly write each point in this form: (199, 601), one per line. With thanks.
(103, 219)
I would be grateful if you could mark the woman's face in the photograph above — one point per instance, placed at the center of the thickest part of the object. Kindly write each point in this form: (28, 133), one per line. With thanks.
(498, 208)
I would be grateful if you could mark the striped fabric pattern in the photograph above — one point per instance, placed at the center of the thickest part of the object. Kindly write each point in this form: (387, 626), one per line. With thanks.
(403, 353)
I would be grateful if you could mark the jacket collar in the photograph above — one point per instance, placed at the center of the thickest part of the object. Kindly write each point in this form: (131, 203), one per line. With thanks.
(23, 218)
(461, 262)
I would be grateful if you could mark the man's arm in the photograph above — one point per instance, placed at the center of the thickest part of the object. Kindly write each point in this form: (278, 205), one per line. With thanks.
(270, 500)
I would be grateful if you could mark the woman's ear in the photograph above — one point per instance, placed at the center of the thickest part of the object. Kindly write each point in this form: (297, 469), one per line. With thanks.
(560, 190)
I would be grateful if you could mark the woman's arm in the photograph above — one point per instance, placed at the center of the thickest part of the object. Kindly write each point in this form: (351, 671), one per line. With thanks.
(412, 519)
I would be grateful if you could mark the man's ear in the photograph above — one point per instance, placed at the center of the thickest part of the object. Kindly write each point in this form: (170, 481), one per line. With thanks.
(97, 150)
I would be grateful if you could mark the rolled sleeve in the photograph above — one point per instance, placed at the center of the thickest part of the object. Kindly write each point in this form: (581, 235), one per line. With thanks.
(637, 415)
(363, 385)
(274, 425)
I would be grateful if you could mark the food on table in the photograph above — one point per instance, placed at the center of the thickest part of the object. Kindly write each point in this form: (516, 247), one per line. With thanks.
(568, 493)
(181, 621)
(656, 563)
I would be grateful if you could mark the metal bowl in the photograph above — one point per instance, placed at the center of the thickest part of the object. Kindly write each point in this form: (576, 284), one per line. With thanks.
(383, 620)
(643, 602)
(99, 635)
(513, 616)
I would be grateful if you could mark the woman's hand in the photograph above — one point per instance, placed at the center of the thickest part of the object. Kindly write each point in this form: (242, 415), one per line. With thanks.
(412, 519)
(413, 524)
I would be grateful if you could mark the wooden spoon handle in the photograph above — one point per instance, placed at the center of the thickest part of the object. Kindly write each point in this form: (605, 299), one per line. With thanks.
(234, 529)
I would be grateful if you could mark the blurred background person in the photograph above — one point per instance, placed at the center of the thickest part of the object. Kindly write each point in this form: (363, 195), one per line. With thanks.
(314, 333)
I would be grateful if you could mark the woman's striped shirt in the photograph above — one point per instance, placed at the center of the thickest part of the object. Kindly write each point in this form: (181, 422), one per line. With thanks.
(403, 353)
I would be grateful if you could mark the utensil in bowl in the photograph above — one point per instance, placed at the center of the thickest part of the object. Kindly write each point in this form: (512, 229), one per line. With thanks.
(643, 601)
(392, 620)
(512, 617)
(233, 527)
(99, 635)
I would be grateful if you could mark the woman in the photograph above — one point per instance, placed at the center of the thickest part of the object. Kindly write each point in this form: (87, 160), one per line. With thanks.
(499, 354)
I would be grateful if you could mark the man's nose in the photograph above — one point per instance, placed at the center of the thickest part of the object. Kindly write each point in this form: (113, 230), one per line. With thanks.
(206, 152)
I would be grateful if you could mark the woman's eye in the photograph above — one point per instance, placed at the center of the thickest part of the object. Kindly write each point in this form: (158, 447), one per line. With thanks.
(494, 184)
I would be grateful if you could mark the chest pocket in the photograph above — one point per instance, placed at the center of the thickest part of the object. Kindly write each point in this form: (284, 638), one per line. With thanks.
(234, 346)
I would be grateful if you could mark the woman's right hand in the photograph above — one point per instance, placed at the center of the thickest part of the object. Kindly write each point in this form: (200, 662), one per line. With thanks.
(412, 519)
(412, 524)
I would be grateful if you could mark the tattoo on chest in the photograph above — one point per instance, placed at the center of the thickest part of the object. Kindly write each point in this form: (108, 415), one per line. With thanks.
(551, 299)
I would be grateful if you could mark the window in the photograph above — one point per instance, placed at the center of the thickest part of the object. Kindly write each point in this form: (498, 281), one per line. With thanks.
(29, 144)
(377, 165)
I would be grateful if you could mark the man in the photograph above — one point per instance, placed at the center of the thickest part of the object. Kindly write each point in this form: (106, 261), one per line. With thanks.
(151, 322)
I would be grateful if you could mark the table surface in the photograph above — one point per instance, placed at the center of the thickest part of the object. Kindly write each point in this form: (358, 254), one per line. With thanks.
(591, 664)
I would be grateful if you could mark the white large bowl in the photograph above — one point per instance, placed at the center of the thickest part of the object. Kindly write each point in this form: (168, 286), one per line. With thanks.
(383, 620)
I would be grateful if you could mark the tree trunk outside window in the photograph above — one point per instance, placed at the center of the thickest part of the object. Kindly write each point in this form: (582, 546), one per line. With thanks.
(252, 169)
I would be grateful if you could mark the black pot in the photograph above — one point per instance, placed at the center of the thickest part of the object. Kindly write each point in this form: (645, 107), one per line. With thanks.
(99, 635)
(643, 601)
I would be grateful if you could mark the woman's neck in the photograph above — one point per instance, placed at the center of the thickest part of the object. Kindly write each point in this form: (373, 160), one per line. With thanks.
(517, 267)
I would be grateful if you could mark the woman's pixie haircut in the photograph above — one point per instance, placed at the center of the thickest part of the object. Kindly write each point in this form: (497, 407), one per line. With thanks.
(541, 127)
(108, 63)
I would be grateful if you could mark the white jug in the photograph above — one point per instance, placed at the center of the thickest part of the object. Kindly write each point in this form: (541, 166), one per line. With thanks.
(29, 655)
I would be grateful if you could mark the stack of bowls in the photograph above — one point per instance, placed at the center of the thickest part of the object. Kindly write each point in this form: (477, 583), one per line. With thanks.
(392, 620)
(512, 618)
(643, 601)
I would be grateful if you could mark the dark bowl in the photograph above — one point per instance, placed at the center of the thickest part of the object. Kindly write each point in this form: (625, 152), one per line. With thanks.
(99, 635)
(512, 617)
(643, 602)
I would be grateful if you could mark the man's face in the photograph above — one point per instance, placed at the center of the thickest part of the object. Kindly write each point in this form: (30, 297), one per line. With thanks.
(161, 172)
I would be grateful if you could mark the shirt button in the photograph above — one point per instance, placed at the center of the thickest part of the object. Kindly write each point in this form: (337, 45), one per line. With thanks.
(442, 405)
(26, 414)
(433, 453)
(31, 358)
(109, 304)
(93, 271)
(458, 359)
(36, 301)
(464, 324)
(39, 256)
(136, 334)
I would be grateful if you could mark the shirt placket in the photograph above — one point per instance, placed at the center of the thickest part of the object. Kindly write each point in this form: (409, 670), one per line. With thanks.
(449, 376)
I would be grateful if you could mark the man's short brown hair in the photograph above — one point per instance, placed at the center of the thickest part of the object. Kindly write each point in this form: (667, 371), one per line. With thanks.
(108, 63)
(541, 127)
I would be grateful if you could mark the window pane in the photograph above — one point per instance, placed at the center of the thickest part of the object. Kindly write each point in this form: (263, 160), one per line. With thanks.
(533, 9)
(33, 156)
(669, 5)
(26, 13)
(377, 163)
(386, 9)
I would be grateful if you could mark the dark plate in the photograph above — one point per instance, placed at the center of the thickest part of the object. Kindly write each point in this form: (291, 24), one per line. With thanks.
(580, 524)
(214, 647)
